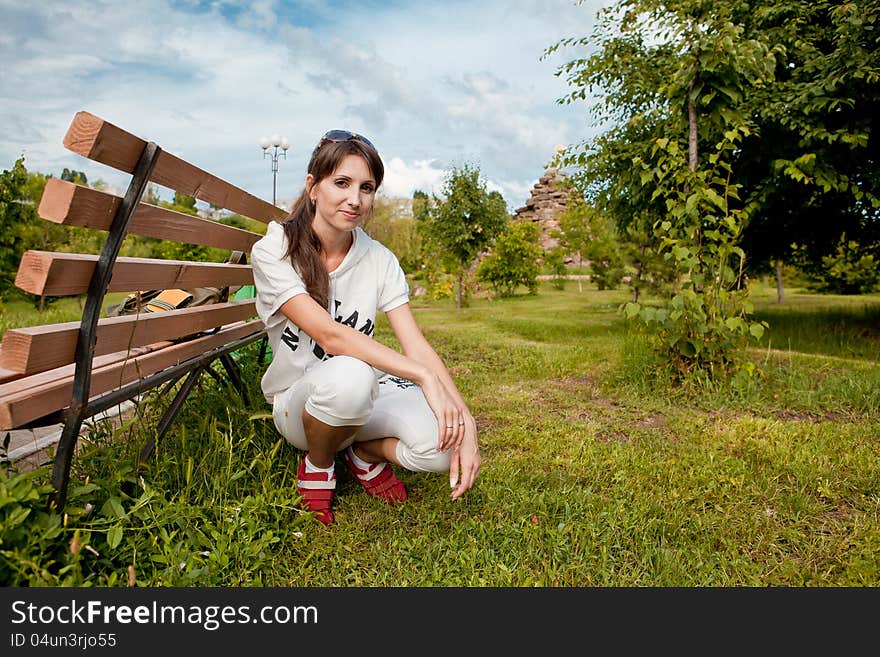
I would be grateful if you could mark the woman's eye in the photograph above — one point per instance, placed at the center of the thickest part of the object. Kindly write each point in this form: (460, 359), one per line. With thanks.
(367, 189)
(342, 183)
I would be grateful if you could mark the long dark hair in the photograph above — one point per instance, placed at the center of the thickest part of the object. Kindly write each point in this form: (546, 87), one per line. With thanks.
(304, 248)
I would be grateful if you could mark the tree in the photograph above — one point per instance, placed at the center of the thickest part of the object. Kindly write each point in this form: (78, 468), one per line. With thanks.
(811, 169)
(17, 214)
(391, 223)
(807, 171)
(73, 176)
(603, 252)
(420, 204)
(673, 74)
(513, 261)
(554, 263)
(464, 222)
(182, 203)
(574, 233)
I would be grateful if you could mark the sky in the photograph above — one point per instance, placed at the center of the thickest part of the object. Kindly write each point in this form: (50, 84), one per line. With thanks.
(433, 84)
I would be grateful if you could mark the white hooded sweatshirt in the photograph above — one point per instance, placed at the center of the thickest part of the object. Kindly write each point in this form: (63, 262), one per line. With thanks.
(368, 280)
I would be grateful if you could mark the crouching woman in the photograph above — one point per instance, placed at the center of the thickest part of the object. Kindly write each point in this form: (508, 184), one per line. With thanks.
(335, 391)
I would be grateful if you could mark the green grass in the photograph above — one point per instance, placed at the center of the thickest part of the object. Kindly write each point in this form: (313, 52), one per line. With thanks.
(20, 312)
(596, 472)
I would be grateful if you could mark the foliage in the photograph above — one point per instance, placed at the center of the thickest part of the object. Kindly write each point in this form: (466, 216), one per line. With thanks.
(182, 203)
(643, 260)
(172, 522)
(673, 75)
(245, 223)
(20, 193)
(554, 264)
(439, 283)
(704, 322)
(16, 214)
(74, 176)
(392, 224)
(812, 170)
(33, 549)
(808, 170)
(597, 242)
(574, 229)
(168, 250)
(463, 223)
(513, 261)
(849, 269)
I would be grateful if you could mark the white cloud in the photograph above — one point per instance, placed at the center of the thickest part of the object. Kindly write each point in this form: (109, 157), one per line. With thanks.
(402, 179)
(206, 81)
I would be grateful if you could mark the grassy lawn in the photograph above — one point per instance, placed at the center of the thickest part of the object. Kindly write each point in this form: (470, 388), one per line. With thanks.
(596, 473)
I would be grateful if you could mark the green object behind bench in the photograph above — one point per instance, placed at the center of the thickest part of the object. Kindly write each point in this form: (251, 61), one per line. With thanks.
(250, 292)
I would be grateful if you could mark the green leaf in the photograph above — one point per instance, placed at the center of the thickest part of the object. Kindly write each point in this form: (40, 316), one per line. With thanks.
(717, 199)
(735, 323)
(114, 536)
(113, 508)
(687, 348)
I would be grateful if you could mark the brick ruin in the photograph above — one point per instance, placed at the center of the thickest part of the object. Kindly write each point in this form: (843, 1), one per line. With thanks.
(548, 201)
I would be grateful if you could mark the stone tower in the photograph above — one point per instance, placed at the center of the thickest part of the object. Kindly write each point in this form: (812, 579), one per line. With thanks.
(547, 203)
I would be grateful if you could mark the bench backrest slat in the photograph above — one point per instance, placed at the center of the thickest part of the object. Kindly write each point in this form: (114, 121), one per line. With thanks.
(38, 348)
(59, 274)
(74, 205)
(40, 379)
(90, 365)
(101, 141)
(33, 403)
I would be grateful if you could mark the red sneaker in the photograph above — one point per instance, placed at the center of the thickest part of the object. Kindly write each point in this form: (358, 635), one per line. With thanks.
(378, 480)
(317, 492)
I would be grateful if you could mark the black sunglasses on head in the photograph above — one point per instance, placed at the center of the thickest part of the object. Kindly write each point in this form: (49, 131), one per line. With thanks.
(341, 135)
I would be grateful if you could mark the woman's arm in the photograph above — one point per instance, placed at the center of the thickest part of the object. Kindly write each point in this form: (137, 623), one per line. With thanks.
(465, 458)
(341, 340)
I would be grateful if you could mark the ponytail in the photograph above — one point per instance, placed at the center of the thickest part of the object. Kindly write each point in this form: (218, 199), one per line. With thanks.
(304, 249)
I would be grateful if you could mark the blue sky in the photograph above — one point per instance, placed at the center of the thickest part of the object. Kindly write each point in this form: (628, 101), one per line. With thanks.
(432, 84)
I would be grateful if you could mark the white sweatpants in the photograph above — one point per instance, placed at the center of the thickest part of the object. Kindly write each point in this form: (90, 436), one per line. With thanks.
(345, 391)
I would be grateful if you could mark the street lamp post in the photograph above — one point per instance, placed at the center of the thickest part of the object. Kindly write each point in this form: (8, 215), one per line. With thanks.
(275, 142)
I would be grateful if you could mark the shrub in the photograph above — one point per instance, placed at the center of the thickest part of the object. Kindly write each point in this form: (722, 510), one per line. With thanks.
(851, 269)
(514, 260)
(554, 263)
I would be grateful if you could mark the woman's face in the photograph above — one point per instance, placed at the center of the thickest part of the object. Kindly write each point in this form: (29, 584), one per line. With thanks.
(344, 198)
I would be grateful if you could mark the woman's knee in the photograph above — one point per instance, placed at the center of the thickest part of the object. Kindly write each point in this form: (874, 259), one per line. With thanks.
(346, 392)
(424, 459)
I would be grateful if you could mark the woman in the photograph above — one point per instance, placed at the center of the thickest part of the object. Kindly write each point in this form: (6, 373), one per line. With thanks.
(320, 280)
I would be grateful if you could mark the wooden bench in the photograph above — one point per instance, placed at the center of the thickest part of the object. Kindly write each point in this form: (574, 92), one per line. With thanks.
(71, 371)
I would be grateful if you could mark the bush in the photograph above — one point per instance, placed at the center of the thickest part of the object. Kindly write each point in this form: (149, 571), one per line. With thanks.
(514, 260)
(851, 269)
(554, 263)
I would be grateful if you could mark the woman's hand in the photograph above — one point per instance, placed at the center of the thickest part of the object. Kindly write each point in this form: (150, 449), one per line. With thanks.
(465, 460)
(452, 417)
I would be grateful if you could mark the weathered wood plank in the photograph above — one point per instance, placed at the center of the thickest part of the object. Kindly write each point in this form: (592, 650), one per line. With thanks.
(24, 382)
(74, 205)
(35, 402)
(8, 375)
(101, 141)
(60, 274)
(39, 348)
